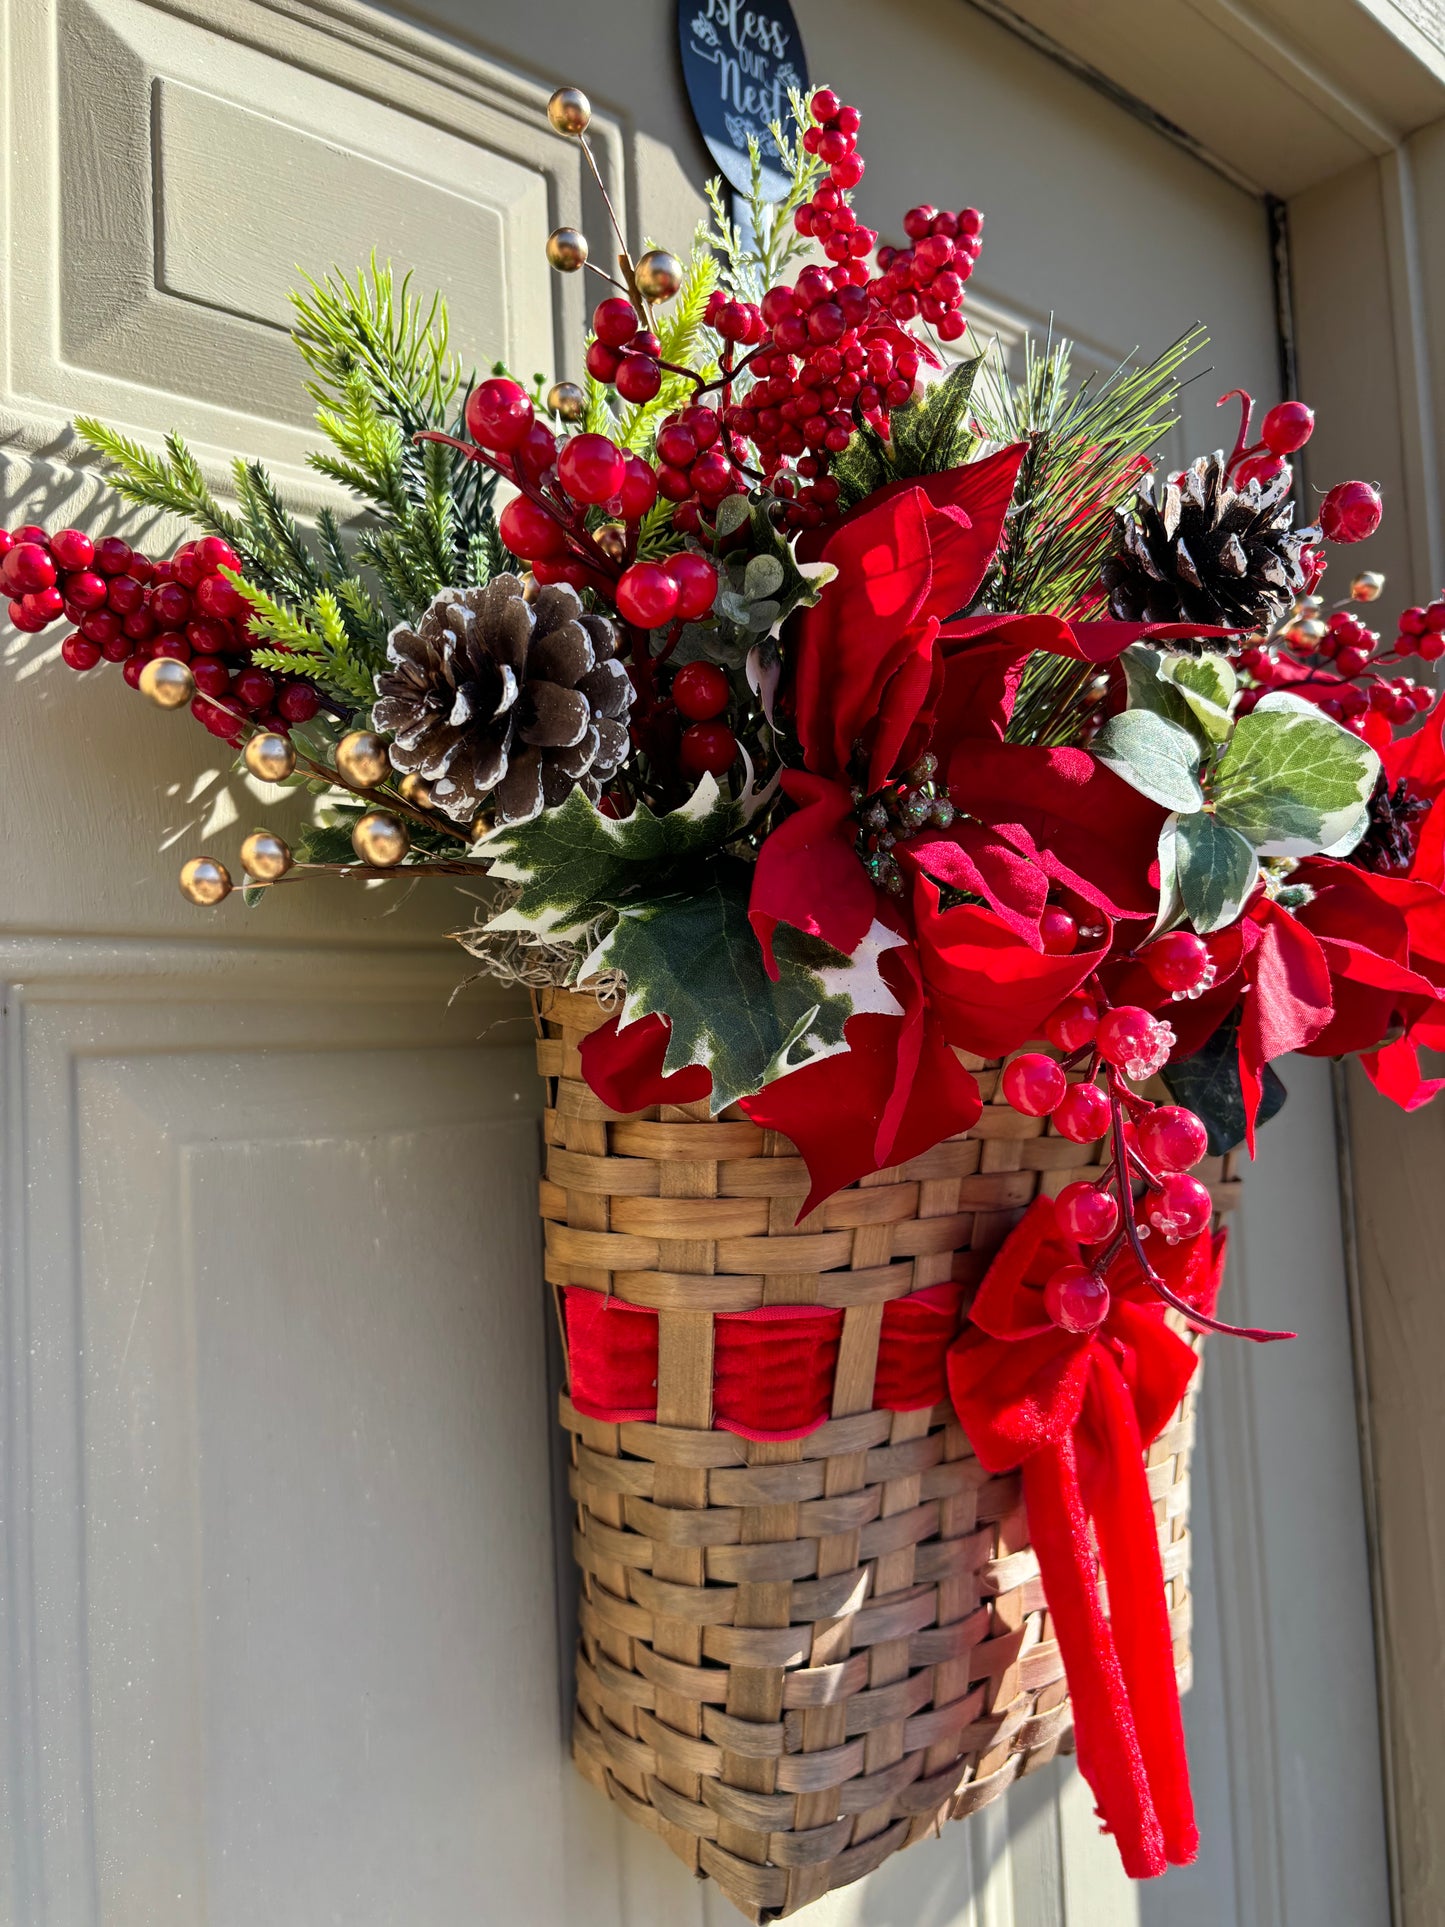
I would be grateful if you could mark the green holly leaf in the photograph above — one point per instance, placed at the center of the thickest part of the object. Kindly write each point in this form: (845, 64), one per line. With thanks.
(574, 864)
(1293, 781)
(1208, 1083)
(1214, 868)
(1155, 756)
(694, 959)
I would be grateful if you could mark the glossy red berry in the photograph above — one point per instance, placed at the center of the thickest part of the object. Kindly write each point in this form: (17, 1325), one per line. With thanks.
(499, 414)
(1076, 1299)
(208, 637)
(101, 627)
(708, 749)
(529, 531)
(212, 678)
(1033, 1084)
(1177, 961)
(639, 489)
(1087, 1213)
(124, 594)
(171, 605)
(77, 653)
(43, 605)
(1074, 1023)
(214, 552)
(1059, 931)
(700, 691)
(298, 702)
(1351, 512)
(255, 689)
(1181, 1207)
(646, 594)
(29, 621)
(1172, 1138)
(591, 468)
(696, 580)
(72, 549)
(215, 596)
(602, 362)
(1287, 427)
(614, 321)
(1125, 1034)
(86, 589)
(28, 569)
(825, 104)
(1083, 1114)
(112, 556)
(638, 378)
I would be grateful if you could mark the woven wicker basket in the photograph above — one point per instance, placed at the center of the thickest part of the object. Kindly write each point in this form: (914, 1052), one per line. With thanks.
(798, 1656)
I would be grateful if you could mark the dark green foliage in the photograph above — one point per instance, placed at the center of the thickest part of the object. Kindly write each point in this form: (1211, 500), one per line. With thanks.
(1208, 1083)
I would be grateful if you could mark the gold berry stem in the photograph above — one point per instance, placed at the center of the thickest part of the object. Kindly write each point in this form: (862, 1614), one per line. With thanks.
(442, 867)
(398, 805)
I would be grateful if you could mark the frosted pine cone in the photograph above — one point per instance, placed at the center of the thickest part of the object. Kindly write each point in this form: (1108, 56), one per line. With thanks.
(492, 696)
(1205, 551)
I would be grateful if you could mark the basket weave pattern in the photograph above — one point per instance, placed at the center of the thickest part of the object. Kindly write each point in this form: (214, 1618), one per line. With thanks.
(798, 1656)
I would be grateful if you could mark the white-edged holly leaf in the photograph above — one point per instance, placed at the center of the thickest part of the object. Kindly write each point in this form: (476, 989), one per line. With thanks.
(693, 959)
(1216, 869)
(1154, 756)
(1293, 781)
(573, 864)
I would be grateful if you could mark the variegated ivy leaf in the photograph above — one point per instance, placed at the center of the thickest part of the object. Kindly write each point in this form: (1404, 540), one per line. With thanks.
(1212, 867)
(1156, 757)
(573, 864)
(692, 957)
(1192, 692)
(1293, 781)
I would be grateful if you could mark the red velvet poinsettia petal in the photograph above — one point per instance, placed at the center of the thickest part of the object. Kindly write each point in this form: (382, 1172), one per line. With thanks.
(624, 1067)
(832, 1110)
(1009, 1302)
(1395, 1073)
(1289, 1003)
(990, 988)
(808, 871)
(851, 643)
(1088, 828)
(970, 857)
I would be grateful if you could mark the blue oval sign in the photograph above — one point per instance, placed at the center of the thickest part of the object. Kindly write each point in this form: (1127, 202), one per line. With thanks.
(739, 58)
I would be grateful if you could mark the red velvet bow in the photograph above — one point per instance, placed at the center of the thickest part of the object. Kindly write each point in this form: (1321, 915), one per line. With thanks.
(1076, 1412)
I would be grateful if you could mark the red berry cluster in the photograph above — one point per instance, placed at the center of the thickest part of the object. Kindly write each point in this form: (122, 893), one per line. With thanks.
(1333, 663)
(129, 609)
(820, 356)
(1422, 633)
(569, 487)
(927, 279)
(1284, 431)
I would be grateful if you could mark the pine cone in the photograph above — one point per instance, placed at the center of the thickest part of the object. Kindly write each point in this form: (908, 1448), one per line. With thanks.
(1205, 551)
(494, 696)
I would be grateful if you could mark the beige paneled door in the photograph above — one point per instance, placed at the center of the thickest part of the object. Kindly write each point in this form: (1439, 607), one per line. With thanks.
(280, 1643)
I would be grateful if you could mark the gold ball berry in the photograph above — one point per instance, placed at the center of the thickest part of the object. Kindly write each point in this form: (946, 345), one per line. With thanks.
(567, 401)
(203, 880)
(270, 756)
(1367, 587)
(169, 684)
(416, 789)
(1311, 630)
(658, 275)
(380, 839)
(362, 759)
(265, 856)
(569, 110)
(567, 249)
(612, 540)
(481, 825)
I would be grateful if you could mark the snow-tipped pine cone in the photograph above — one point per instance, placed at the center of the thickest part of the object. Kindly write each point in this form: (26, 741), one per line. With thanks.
(1203, 550)
(494, 698)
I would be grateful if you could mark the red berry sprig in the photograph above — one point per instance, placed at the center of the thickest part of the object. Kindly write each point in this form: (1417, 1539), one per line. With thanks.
(1335, 662)
(130, 609)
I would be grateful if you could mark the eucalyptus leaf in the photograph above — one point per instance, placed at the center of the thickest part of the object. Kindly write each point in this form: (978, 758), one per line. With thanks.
(1217, 869)
(763, 578)
(731, 512)
(1293, 781)
(763, 615)
(1156, 757)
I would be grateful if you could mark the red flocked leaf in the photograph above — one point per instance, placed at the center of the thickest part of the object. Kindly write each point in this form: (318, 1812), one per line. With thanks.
(1085, 827)
(1288, 1005)
(624, 1067)
(808, 872)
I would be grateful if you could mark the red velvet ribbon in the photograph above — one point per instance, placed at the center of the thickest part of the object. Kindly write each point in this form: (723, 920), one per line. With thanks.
(1076, 1413)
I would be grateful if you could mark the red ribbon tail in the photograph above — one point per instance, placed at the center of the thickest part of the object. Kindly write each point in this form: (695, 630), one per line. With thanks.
(1116, 1490)
(1110, 1756)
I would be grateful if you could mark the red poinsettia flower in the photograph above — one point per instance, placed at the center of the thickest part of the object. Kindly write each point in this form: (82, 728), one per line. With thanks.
(1414, 803)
